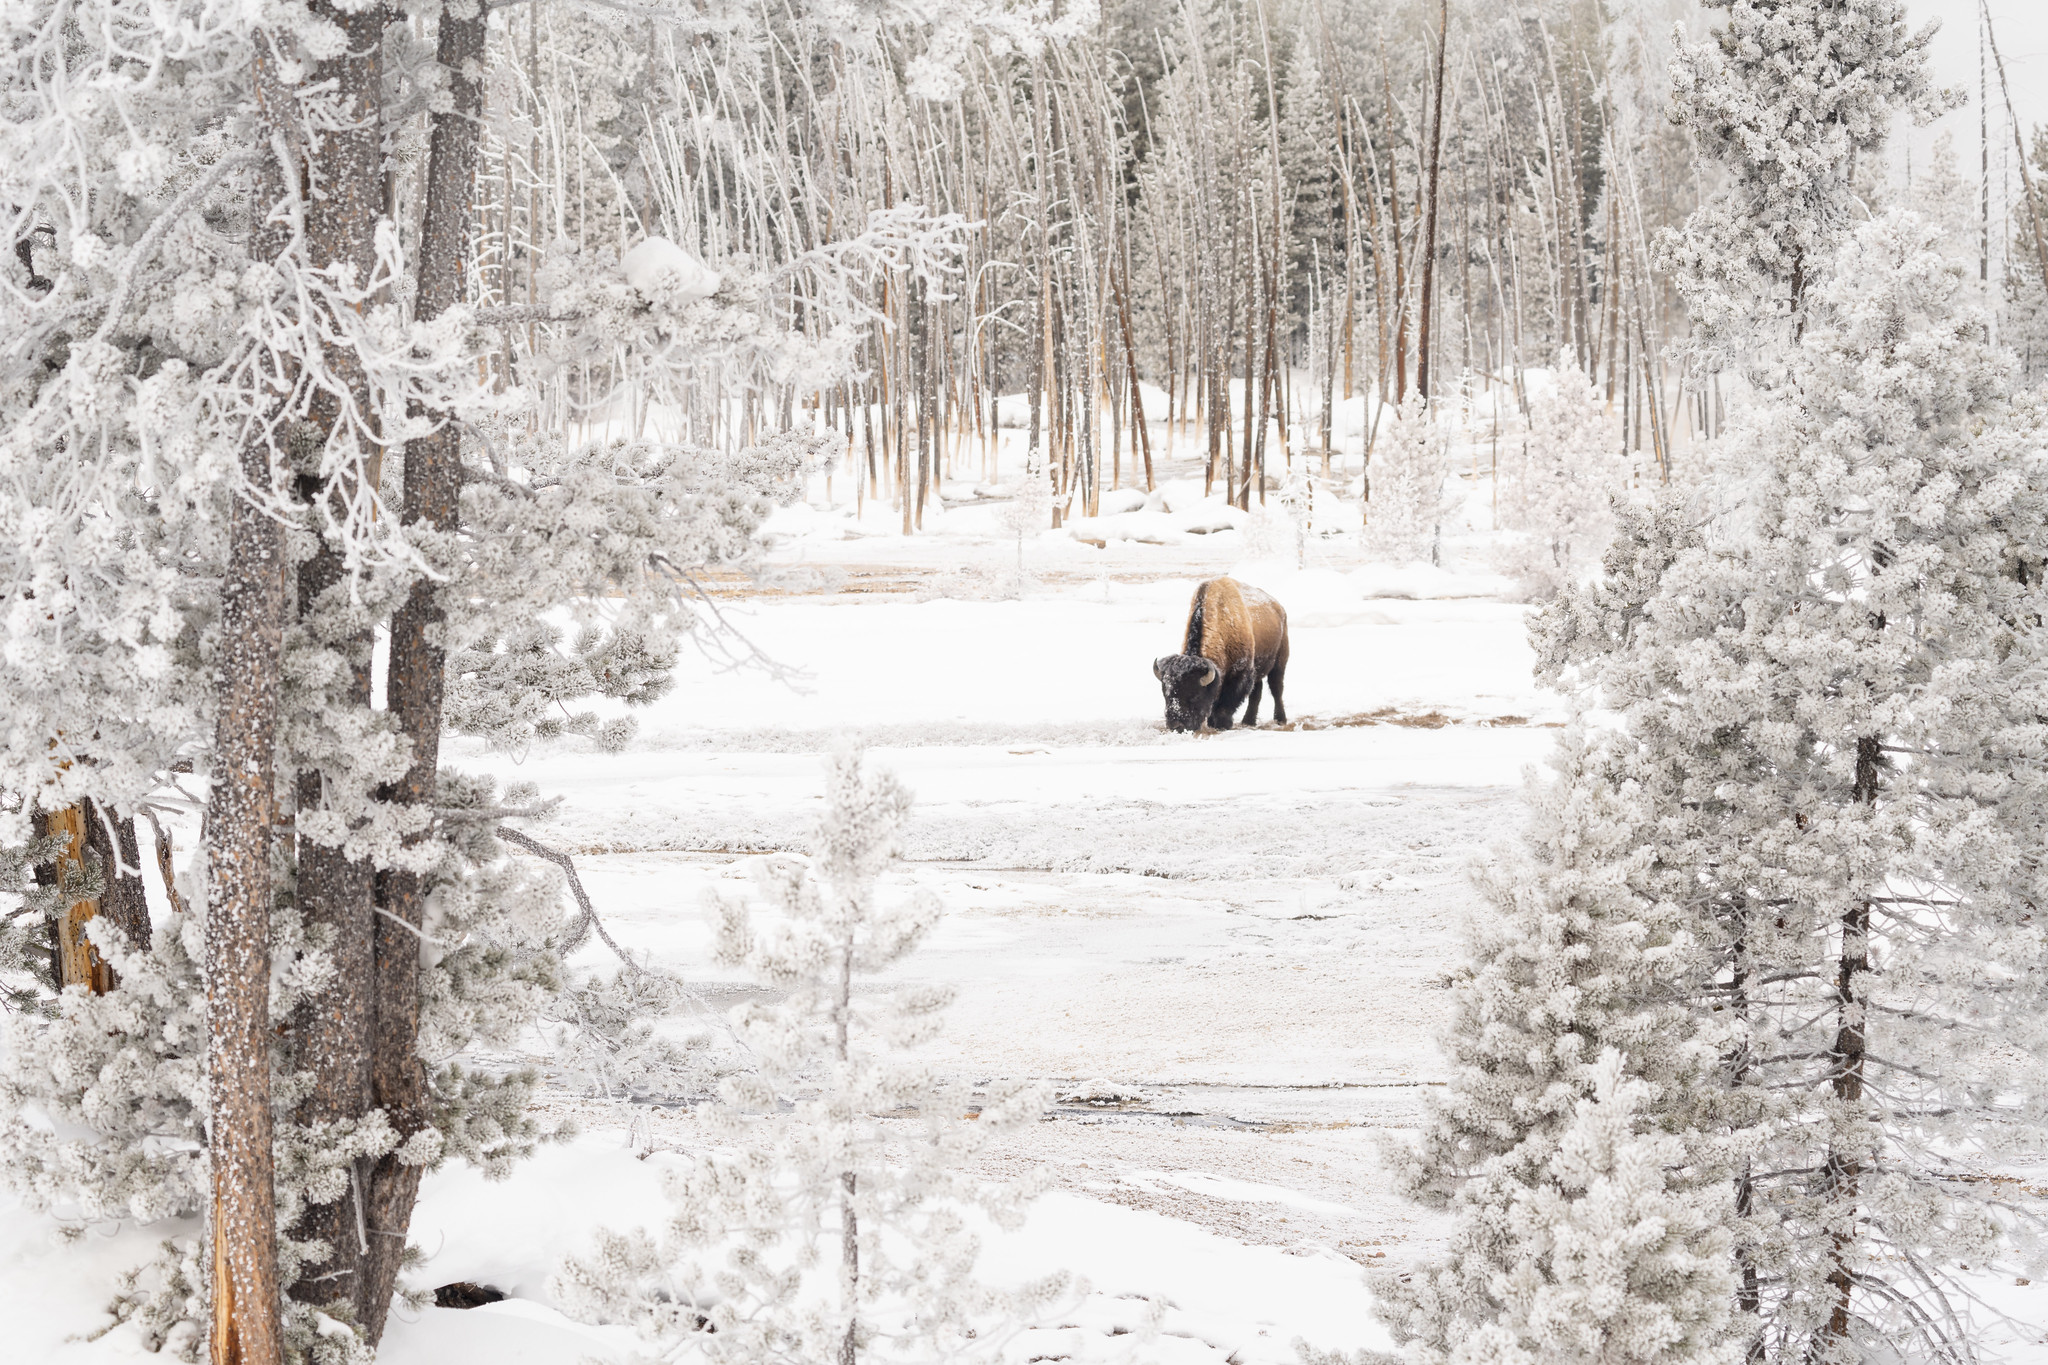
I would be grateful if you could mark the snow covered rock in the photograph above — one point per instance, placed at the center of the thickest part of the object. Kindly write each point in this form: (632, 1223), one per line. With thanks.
(1118, 500)
(659, 266)
(1146, 528)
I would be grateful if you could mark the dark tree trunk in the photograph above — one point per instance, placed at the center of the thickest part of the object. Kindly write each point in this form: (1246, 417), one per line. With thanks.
(1436, 150)
(418, 664)
(333, 892)
(123, 902)
(1844, 1169)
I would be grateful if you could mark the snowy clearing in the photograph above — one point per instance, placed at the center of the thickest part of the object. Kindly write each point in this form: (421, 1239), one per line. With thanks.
(1228, 953)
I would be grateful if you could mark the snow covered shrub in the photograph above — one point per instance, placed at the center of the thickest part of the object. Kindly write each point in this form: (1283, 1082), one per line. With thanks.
(1558, 486)
(1405, 501)
(1580, 964)
(1030, 510)
(812, 1228)
(608, 1035)
(1297, 502)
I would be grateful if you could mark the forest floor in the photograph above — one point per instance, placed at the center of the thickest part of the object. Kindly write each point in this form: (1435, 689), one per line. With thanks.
(1229, 953)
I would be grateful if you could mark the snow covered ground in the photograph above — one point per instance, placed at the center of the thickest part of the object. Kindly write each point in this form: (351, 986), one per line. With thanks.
(1228, 952)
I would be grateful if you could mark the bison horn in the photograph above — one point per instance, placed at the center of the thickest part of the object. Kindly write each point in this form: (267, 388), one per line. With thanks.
(1210, 676)
(1159, 668)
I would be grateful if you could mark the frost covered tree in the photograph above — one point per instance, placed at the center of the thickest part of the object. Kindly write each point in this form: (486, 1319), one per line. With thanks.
(1405, 502)
(824, 1220)
(1560, 485)
(1787, 95)
(1832, 693)
(1029, 508)
(1581, 1233)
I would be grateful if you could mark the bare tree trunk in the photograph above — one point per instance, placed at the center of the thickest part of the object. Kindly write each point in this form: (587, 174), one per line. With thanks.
(2020, 146)
(1844, 1169)
(417, 673)
(1436, 148)
(1123, 305)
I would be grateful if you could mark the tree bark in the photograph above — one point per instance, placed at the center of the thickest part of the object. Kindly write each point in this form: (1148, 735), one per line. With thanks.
(77, 962)
(333, 892)
(1844, 1168)
(124, 903)
(417, 671)
(241, 810)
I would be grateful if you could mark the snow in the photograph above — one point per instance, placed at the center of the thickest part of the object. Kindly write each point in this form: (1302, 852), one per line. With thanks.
(1228, 952)
(658, 265)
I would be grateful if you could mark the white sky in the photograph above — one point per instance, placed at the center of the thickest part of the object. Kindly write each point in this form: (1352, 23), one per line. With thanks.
(2022, 30)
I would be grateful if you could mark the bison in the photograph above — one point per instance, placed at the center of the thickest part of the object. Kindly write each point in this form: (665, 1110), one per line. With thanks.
(1236, 639)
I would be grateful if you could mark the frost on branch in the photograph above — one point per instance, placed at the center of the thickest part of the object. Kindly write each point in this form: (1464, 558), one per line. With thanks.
(1405, 501)
(1613, 1266)
(616, 530)
(829, 1213)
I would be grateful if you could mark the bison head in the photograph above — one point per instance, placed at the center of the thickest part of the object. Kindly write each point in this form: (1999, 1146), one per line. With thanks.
(1191, 684)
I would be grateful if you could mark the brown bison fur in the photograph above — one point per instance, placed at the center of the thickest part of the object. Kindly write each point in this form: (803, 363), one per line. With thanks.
(1236, 641)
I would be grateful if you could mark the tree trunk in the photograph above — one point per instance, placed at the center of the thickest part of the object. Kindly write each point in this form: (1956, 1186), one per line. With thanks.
(1844, 1169)
(333, 892)
(241, 810)
(1436, 149)
(123, 902)
(417, 672)
(1123, 305)
(77, 962)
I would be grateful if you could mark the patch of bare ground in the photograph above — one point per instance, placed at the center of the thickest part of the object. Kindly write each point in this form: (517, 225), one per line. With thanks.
(1297, 1187)
(1413, 720)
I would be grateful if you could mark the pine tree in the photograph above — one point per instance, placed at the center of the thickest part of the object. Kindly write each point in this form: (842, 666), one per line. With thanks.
(1788, 96)
(1611, 1264)
(804, 1183)
(1559, 486)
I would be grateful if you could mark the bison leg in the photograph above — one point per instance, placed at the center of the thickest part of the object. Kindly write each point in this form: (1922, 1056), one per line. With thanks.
(1251, 710)
(1229, 697)
(1274, 680)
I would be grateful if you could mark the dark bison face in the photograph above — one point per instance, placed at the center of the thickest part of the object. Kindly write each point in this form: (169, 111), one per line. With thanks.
(1191, 684)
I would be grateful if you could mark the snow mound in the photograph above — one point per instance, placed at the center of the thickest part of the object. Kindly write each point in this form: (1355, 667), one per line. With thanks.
(801, 521)
(1376, 879)
(659, 266)
(1118, 500)
(1145, 528)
